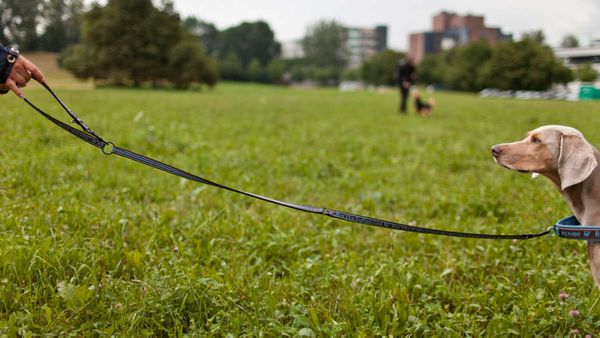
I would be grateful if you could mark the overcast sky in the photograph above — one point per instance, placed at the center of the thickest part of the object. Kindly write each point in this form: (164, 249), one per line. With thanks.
(289, 19)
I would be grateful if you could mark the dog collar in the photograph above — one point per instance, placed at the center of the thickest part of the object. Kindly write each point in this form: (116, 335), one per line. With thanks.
(569, 227)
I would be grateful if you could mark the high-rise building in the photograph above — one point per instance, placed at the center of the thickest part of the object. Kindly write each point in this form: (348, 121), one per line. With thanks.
(363, 43)
(451, 29)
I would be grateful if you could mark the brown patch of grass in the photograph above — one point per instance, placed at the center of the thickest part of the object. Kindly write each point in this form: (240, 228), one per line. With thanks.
(57, 77)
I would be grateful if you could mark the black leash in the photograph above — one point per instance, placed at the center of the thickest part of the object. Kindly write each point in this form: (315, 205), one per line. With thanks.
(88, 135)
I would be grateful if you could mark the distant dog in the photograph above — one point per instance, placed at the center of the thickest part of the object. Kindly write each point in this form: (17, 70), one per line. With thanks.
(423, 108)
(564, 156)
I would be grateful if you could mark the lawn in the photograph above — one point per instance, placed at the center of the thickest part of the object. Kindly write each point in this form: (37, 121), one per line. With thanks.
(94, 245)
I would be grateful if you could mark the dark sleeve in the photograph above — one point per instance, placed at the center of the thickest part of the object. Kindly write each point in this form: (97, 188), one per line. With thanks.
(3, 55)
(406, 72)
(402, 73)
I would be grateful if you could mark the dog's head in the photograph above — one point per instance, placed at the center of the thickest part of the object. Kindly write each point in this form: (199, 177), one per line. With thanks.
(553, 151)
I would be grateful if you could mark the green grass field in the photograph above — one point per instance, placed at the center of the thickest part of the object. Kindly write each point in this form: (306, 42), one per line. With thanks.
(92, 245)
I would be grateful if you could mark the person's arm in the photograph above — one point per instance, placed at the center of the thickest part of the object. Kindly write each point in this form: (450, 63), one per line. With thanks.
(16, 71)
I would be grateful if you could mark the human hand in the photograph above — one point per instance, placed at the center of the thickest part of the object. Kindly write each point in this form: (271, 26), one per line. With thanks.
(22, 71)
(405, 84)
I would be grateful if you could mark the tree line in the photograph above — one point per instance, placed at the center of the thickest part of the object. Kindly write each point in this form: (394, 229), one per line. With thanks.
(48, 25)
(134, 42)
(250, 52)
(527, 64)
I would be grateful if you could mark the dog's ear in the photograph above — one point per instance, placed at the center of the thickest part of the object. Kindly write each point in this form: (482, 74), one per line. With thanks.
(576, 160)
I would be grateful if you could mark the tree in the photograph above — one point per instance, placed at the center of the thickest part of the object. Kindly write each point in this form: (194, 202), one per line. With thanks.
(325, 45)
(18, 23)
(523, 65)
(380, 69)
(570, 41)
(431, 69)
(63, 19)
(248, 41)
(132, 42)
(205, 31)
(586, 73)
(187, 64)
(275, 71)
(232, 69)
(79, 60)
(535, 36)
(40, 24)
(256, 71)
(459, 68)
(463, 65)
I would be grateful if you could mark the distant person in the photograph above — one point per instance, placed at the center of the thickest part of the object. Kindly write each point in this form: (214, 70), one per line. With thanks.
(406, 76)
(423, 108)
(16, 71)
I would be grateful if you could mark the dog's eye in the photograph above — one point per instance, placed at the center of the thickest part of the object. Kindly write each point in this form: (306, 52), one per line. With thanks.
(536, 140)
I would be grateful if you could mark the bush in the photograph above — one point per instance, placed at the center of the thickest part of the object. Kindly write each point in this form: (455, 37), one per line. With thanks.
(188, 64)
(256, 72)
(232, 69)
(586, 73)
(78, 59)
(381, 68)
(431, 70)
(275, 71)
(351, 75)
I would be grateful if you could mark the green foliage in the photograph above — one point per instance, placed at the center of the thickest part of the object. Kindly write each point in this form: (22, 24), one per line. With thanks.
(100, 246)
(381, 68)
(458, 68)
(133, 42)
(79, 60)
(232, 68)
(248, 41)
(570, 41)
(463, 66)
(585, 72)
(246, 50)
(325, 47)
(63, 21)
(325, 76)
(352, 74)
(188, 64)
(205, 31)
(18, 23)
(48, 25)
(522, 65)
(256, 71)
(431, 70)
(298, 72)
(534, 36)
(275, 71)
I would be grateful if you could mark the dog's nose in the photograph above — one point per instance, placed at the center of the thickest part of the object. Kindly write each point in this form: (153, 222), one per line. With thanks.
(496, 151)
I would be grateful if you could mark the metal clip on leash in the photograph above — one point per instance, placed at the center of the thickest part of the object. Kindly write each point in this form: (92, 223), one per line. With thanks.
(107, 148)
(89, 136)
